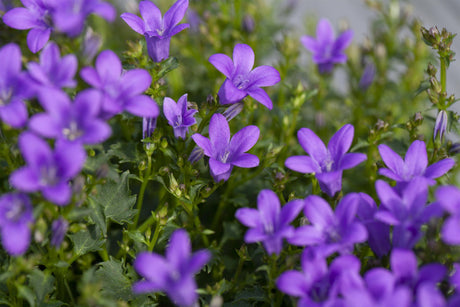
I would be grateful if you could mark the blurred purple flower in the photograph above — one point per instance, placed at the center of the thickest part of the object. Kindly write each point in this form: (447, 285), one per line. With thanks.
(377, 231)
(58, 230)
(368, 76)
(330, 231)
(241, 79)
(15, 219)
(178, 115)
(406, 211)
(74, 122)
(317, 285)
(53, 71)
(326, 49)
(440, 125)
(223, 152)
(156, 29)
(326, 163)
(6, 5)
(269, 223)
(414, 164)
(454, 300)
(46, 170)
(448, 197)
(194, 20)
(90, 46)
(120, 91)
(173, 274)
(14, 87)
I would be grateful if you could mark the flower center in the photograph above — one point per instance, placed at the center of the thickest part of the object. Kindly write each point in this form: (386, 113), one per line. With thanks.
(240, 82)
(327, 164)
(269, 229)
(5, 96)
(333, 235)
(48, 175)
(319, 291)
(72, 132)
(16, 211)
(178, 121)
(224, 156)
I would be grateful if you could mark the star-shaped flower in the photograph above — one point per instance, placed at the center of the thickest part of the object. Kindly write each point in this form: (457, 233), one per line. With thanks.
(223, 152)
(241, 79)
(178, 115)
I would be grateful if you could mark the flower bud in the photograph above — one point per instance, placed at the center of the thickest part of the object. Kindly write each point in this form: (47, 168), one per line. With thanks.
(58, 231)
(440, 125)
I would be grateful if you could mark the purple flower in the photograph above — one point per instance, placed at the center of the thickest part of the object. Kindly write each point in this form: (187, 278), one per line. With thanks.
(269, 223)
(149, 125)
(241, 79)
(15, 217)
(120, 91)
(14, 87)
(223, 152)
(326, 163)
(326, 49)
(53, 71)
(157, 30)
(368, 76)
(406, 211)
(58, 230)
(330, 231)
(233, 110)
(196, 154)
(46, 170)
(378, 232)
(449, 198)
(317, 285)
(454, 280)
(178, 116)
(74, 122)
(440, 125)
(90, 46)
(414, 164)
(173, 274)
(421, 282)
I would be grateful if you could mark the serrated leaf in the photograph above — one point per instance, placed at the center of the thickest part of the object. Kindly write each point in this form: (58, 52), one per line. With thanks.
(167, 66)
(115, 283)
(126, 152)
(42, 283)
(116, 200)
(86, 241)
(97, 215)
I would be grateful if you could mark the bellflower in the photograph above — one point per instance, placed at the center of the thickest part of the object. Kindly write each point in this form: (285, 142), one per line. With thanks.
(173, 274)
(46, 170)
(14, 87)
(317, 285)
(15, 219)
(223, 152)
(149, 125)
(58, 230)
(53, 71)
(73, 122)
(157, 30)
(406, 211)
(414, 164)
(178, 115)
(449, 198)
(326, 163)
(330, 231)
(120, 91)
(440, 125)
(241, 79)
(269, 223)
(326, 49)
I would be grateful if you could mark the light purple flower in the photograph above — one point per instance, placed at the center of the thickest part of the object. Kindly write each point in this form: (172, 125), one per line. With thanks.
(48, 171)
(14, 87)
(269, 223)
(241, 79)
(196, 154)
(223, 152)
(15, 219)
(326, 163)
(326, 49)
(120, 91)
(368, 76)
(157, 30)
(449, 198)
(73, 122)
(53, 71)
(178, 115)
(440, 125)
(406, 211)
(414, 164)
(173, 274)
(330, 231)
(317, 285)
(90, 46)
(149, 125)
(58, 230)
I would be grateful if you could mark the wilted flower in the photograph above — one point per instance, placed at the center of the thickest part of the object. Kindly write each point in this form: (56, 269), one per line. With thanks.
(173, 274)
(440, 125)
(327, 50)
(156, 29)
(326, 163)
(58, 230)
(15, 219)
(269, 223)
(178, 115)
(241, 79)
(223, 152)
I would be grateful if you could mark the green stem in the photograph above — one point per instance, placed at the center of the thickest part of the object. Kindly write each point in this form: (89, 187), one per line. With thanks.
(140, 198)
(155, 235)
(443, 82)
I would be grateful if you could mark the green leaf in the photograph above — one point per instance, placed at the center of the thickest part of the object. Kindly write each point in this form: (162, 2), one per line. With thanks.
(169, 65)
(116, 200)
(126, 152)
(27, 294)
(86, 241)
(251, 295)
(112, 275)
(97, 215)
(42, 283)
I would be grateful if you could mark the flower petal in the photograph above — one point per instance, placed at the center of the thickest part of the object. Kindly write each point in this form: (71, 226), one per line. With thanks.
(324, 32)
(350, 160)
(179, 28)
(197, 261)
(135, 22)
(151, 15)
(37, 38)
(204, 143)
(309, 43)
(246, 160)
(175, 14)
(218, 167)
(152, 267)
(219, 133)
(439, 168)
(243, 58)
(290, 211)
(228, 93)
(312, 144)
(248, 217)
(392, 160)
(330, 183)
(293, 283)
(142, 106)
(14, 113)
(179, 249)
(451, 230)
(416, 158)
(302, 164)
(69, 157)
(25, 179)
(343, 40)
(135, 81)
(318, 211)
(222, 63)
(108, 65)
(341, 142)
(403, 264)
(16, 238)
(20, 18)
(90, 75)
(244, 139)
(59, 194)
(263, 76)
(261, 96)
(45, 125)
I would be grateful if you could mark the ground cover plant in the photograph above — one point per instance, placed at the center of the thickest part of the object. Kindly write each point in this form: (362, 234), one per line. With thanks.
(214, 153)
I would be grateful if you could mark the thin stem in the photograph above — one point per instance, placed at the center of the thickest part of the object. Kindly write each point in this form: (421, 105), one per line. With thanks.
(140, 198)
(155, 235)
